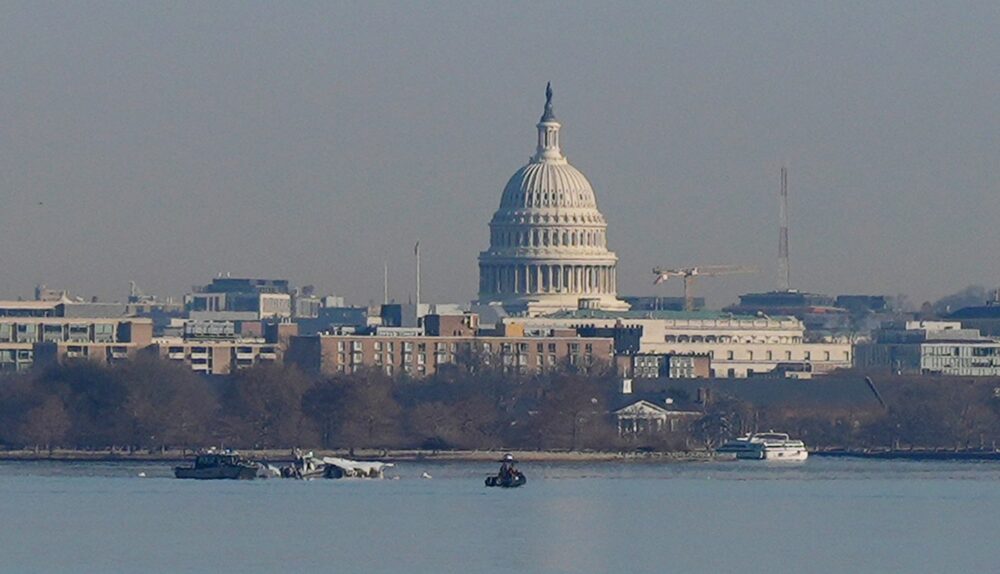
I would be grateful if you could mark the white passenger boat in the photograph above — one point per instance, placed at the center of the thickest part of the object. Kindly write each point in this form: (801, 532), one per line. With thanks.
(766, 446)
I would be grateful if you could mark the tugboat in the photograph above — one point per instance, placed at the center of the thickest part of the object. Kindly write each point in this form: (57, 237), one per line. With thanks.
(216, 466)
(508, 477)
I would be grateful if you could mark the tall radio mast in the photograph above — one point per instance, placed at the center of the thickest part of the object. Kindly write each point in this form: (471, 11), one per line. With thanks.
(784, 283)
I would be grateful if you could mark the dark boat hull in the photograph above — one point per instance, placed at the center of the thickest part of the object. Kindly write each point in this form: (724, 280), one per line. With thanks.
(216, 473)
(510, 482)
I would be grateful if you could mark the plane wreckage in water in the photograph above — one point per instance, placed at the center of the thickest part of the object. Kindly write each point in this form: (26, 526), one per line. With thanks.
(231, 465)
(310, 466)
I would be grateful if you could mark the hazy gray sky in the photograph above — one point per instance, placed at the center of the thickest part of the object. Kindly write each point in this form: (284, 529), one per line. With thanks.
(166, 142)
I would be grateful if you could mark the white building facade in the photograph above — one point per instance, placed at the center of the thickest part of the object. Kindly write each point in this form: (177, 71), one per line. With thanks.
(932, 348)
(738, 345)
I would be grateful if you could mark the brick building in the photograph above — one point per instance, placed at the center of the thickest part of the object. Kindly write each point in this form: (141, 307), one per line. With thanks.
(422, 355)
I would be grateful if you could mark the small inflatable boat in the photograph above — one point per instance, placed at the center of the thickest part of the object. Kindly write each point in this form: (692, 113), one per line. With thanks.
(512, 481)
(508, 476)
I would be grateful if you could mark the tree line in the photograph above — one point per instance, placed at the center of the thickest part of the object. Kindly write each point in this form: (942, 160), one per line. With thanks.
(148, 403)
(152, 404)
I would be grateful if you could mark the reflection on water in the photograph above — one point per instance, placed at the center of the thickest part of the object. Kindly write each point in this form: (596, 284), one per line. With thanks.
(824, 515)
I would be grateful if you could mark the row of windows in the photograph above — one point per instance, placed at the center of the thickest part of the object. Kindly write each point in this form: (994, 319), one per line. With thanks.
(56, 332)
(959, 351)
(748, 340)
(440, 358)
(409, 346)
(545, 238)
(786, 356)
(961, 362)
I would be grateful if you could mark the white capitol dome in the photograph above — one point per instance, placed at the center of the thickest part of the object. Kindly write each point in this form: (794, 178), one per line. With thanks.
(548, 242)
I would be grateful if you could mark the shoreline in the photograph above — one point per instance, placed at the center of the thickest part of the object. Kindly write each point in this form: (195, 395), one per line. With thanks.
(416, 455)
(916, 454)
(285, 455)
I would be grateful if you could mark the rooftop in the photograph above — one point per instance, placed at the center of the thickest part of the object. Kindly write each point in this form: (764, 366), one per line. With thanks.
(662, 314)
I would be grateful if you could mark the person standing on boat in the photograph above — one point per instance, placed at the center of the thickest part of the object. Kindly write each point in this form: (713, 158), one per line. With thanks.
(507, 467)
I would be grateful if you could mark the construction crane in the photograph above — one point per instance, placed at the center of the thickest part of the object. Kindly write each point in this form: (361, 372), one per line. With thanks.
(691, 274)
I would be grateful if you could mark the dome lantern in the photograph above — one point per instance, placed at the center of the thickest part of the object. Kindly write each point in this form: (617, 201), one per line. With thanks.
(548, 132)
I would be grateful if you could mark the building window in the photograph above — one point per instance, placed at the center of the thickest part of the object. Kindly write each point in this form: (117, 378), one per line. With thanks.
(52, 333)
(26, 333)
(729, 355)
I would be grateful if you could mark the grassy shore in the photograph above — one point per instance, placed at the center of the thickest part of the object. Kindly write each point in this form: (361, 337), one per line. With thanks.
(283, 455)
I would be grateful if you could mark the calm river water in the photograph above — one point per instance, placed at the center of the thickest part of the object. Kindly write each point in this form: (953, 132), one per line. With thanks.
(820, 516)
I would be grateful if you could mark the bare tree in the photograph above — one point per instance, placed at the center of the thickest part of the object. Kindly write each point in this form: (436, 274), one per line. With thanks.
(46, 424)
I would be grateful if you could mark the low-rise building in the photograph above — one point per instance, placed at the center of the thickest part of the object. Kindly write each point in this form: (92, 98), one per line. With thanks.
(653, 365)
(422, 355)
(240, 299)
(985, 318)
(738, 345)
(25, 341)
(932, 348)
(644, 418)
(216, 357)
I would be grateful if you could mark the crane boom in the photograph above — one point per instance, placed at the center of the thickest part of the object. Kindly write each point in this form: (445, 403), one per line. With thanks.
(690, 275)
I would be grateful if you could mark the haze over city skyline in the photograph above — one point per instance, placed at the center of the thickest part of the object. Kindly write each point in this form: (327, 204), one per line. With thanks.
(167, 143)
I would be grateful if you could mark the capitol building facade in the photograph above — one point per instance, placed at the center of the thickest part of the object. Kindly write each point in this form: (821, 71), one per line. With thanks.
(548, 241)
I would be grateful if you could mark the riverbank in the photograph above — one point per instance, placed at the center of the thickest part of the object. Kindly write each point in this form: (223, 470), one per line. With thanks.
(913, 454)
(285, 455)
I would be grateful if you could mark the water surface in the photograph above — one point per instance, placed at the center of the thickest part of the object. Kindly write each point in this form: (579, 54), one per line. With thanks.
(824, 515)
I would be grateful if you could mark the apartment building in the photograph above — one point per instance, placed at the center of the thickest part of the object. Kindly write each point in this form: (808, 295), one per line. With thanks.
(27, 340)
(422, 355)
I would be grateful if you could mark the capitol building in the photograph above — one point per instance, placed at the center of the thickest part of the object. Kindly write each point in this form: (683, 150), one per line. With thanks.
(548, 242)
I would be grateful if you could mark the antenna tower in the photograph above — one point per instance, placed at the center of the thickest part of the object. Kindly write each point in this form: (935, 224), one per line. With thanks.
(385, 282)
(784, 283)
(416, 255)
